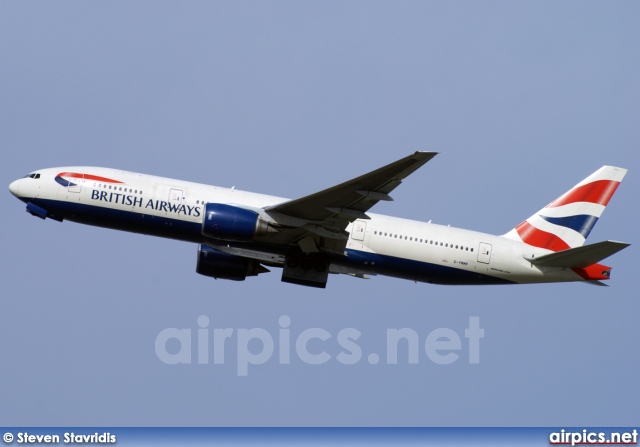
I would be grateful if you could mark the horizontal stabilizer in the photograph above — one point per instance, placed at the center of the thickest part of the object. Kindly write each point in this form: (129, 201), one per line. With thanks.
(579, 257)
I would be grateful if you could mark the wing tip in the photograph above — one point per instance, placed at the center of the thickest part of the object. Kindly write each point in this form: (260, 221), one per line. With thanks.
(425, 154)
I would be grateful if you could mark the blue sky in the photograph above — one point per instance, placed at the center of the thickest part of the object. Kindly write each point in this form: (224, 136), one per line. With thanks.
(521, 99)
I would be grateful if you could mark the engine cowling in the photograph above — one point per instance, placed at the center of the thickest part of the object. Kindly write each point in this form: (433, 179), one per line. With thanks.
(221, 265)
(231, 223)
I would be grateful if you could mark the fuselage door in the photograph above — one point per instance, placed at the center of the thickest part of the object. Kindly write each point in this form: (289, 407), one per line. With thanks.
(175, 196)
(75, 183)
(359, 228)
(484, 253)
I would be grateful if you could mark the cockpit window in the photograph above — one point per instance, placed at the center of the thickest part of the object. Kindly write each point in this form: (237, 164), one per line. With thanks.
(34, 176)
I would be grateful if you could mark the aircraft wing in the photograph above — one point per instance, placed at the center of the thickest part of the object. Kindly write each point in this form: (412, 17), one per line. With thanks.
(335, 207)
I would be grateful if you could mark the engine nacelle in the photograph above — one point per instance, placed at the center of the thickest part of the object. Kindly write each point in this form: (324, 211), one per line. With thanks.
(231, 223)
(220, 265)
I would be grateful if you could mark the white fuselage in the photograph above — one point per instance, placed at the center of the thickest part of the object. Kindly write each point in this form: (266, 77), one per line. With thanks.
(381, 245)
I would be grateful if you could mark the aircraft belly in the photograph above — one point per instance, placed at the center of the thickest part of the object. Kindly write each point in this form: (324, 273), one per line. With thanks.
(124, 220)
(416, 270)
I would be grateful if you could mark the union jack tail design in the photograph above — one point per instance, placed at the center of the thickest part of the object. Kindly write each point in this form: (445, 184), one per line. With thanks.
(567, 221)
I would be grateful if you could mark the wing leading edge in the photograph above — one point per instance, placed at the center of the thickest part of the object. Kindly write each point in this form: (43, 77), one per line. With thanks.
(352, 199)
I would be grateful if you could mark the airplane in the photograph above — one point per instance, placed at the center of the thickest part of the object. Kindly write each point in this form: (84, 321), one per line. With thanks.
(239, 234)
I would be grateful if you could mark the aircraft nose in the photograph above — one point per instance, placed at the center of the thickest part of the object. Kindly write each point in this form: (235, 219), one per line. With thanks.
(15, 187)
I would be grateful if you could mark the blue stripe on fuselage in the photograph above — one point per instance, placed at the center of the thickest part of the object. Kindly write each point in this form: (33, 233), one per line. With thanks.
(132, 221)
(64, 182)
(417, 270)
(137, 222)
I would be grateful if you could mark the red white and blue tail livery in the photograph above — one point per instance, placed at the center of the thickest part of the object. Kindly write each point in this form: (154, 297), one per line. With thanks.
(241, 234)
(567, 221)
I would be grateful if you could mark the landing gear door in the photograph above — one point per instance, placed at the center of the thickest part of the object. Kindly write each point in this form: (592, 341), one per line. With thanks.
(484, 253)
(359, 229)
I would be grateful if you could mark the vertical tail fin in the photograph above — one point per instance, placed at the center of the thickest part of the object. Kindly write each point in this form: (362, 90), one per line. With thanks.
(567, 221)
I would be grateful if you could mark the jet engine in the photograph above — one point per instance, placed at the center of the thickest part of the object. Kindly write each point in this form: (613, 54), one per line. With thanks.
(221, 265)
(231, 223)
